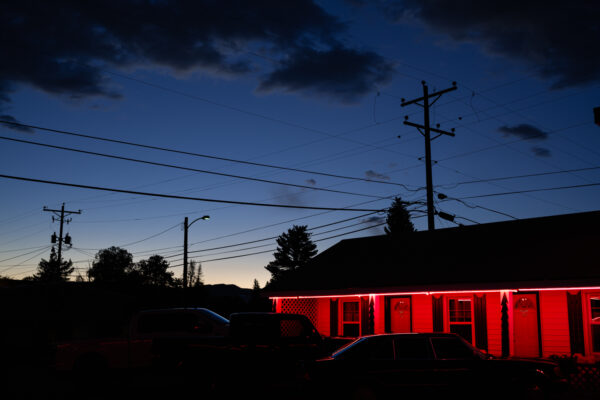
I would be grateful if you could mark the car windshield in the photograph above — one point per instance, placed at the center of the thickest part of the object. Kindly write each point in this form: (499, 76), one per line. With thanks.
(340, 353)
(213, 316)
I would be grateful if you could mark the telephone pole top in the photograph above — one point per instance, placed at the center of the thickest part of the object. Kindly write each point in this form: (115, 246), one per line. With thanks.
(60, 216)
(426, 130)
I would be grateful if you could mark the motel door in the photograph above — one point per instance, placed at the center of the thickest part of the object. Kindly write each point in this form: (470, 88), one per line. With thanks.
(526, 325)
(400, 314)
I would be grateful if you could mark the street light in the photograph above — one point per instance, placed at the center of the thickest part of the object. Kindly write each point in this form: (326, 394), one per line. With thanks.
(186, 225)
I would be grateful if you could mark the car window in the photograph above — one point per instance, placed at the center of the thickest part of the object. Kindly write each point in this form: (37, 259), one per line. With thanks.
(412, 348)
(172, 323)
(371, 348)
(450, 348)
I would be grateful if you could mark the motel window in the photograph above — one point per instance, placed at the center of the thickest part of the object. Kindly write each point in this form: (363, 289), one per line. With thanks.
(595, 322)
(351, 318)
(460, 317)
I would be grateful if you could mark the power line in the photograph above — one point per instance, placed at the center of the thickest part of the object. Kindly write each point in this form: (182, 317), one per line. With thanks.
(250, 113)
(25, 254)
(151, 237)
(456, 184)
(25, 248)
(533, 190)
(271, 250)
(201, 155)
(478, 206)
(269, 238)
(184, 168)
(24, 261)
(181, 197)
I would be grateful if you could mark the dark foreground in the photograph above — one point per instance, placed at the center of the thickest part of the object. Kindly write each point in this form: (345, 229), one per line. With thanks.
(45, 384)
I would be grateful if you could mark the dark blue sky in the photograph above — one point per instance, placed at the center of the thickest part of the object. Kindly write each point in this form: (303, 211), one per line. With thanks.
(298, 84)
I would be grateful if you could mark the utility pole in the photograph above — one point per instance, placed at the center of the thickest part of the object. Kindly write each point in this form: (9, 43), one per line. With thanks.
(427, 134)
(60, 216)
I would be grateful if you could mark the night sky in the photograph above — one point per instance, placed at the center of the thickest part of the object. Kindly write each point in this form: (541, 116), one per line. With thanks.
(307, 85)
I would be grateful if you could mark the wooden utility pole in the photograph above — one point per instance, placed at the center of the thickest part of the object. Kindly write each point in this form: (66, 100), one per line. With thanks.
(426, 132)
(60, 216)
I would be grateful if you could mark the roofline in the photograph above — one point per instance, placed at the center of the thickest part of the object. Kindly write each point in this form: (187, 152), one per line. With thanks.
(514, 287)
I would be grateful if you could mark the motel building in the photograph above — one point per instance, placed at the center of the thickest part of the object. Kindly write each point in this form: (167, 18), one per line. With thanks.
(527, 288)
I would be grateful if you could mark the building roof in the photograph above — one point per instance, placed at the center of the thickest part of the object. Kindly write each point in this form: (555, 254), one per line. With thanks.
(548, 251)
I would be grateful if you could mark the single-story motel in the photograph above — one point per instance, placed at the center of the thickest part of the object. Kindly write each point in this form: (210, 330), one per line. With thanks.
(521, 288)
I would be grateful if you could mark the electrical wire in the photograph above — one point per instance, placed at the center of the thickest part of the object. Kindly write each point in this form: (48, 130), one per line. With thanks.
(456, 184)
(532, 190)
(181, 197)
(201, 155)
(183, 168)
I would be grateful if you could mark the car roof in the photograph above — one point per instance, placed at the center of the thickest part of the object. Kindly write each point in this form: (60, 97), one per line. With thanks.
(412, 334)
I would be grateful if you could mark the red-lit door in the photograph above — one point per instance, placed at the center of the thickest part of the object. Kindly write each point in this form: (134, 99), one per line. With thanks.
(400, 314)
(526, 325)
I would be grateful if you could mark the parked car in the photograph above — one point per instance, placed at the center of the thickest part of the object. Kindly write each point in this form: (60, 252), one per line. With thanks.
(135, 348)
(427, 364)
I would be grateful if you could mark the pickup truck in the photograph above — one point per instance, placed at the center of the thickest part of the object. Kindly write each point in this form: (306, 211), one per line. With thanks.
(261, 350)
(135, 349)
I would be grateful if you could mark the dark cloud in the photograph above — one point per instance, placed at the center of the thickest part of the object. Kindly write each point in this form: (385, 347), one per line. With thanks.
(373, 220)
(287, 195)
(541, 151)
(524, 131)
(343, 73)
(18, 128)
(311, 182)
(62, 46)
(559, 40)
(370, 174)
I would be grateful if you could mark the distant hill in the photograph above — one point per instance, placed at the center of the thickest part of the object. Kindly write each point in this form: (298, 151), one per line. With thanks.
(225, 290)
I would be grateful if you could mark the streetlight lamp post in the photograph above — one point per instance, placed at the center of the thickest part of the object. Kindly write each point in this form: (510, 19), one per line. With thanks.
(186, 225)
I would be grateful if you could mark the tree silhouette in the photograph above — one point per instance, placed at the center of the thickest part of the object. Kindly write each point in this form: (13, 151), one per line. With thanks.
(294, 250)
(53, 271)
(195, 274)
(154, 272)
(398, 219)
(111, 265)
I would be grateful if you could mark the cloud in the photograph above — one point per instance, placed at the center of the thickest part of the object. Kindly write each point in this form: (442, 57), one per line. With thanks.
(287, 195)
(370, 174)
(541, 151)
(560, 41)
(18, 128)
(62, 47)
(524, 131)
(373, 220)
(342, 73)
(311, 182)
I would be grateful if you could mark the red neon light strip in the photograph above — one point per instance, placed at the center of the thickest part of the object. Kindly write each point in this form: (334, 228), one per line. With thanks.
(437, 292)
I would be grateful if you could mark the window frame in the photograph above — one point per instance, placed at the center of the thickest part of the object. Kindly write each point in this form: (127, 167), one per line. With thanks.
(448, 323)
(590, 323)
(343, 322)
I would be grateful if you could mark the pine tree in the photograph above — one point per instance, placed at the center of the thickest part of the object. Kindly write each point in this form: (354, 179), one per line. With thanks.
(53, 271)
(294, 250)
(398, 219)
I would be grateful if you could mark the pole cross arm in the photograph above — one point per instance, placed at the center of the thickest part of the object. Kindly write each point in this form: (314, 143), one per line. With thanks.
(418, 126)
(441, 92)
